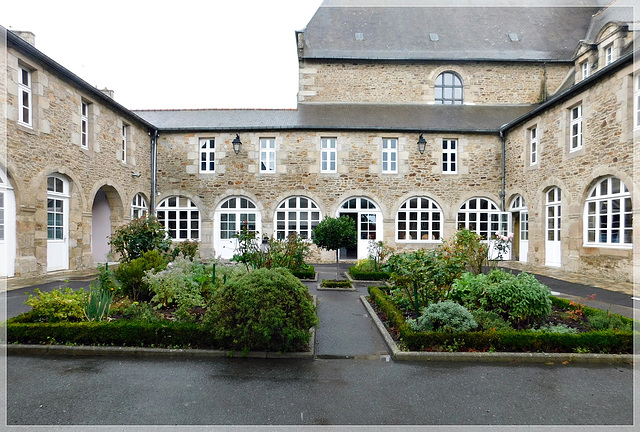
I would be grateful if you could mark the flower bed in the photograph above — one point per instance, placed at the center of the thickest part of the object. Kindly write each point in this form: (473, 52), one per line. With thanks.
(509, 340)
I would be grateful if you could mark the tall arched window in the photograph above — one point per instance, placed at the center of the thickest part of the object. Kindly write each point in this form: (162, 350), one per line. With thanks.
(180, 217)
(297, 215)
(139, 206)
(608, 214)
(483, 217)
(449, 89)
(235, 213)
(419, 219)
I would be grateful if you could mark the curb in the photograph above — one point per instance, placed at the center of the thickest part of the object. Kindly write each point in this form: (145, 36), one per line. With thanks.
(504, 357)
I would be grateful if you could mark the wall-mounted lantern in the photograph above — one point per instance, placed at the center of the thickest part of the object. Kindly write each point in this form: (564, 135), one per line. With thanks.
(236, 144)
(422, 144)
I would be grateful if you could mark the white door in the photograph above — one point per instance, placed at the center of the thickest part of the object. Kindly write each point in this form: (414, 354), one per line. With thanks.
(234, 214)
(499, 224)
(369, 224)
(553, 225)
(7, 228)
(524, 236)
(100, 227)
(57, 223)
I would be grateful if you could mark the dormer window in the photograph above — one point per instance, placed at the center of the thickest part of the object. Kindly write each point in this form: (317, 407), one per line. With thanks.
(584, 68)
(608, 55)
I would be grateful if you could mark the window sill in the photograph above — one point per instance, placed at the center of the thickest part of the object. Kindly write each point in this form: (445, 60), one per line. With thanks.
(608, 246)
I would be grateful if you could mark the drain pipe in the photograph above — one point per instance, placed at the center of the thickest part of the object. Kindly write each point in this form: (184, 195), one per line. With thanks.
(154, 169)
(503, 192)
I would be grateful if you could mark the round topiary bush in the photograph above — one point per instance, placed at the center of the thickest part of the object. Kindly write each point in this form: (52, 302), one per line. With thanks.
(446, 316)
(266, 309)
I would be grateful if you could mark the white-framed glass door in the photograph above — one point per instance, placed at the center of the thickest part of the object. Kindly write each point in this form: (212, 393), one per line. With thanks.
(232, 215)
(368, 220)
(499, 224)
(57, 223)
(553, 228)
(520, 223)
(7, 227)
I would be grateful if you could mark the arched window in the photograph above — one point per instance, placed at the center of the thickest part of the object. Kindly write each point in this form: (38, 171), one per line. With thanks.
(419, 219)
(608, 214)
(180, 217)
(139, 206)
(235, 213)
(483, 217)
(297, 215)
(449, 89)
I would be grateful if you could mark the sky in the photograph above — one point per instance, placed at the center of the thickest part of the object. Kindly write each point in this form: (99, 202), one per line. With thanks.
(174, 54)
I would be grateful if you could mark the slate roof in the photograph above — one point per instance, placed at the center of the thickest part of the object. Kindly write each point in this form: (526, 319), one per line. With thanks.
(340, 116)
(339, 30)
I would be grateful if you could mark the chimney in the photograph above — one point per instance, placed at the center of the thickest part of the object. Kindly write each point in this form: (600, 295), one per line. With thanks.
(26, 36)
(108, 92)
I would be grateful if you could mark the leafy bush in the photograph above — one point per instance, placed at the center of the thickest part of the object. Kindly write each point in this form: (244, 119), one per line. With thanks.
(472, 249)
(186, 248)
(57, 305)
(306, 272)
(131, 274)
(488, 320)
(603, 320)
(446, 316)
(378, 251)
(557, 328)
(142, 312)
(183, 283)
(263, 310)
(140, 235)
(366, 269)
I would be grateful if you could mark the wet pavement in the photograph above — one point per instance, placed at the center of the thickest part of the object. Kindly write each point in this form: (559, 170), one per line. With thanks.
(351, 382)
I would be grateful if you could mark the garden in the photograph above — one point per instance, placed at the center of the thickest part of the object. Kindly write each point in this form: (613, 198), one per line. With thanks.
(161, 295)
(452, 298)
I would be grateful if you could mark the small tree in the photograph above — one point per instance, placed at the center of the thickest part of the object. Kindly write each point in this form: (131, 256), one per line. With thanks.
(335, 233)
(139, 236)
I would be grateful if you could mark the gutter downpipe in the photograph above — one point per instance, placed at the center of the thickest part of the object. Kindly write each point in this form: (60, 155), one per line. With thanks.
(154, 169)
(503, 192)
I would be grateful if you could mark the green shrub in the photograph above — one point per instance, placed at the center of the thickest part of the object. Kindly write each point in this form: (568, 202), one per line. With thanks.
(97, 303)
(263, 310)
(446, 316)
(306, 272)
(140, 235)
(488, 320)
(131, 274)
(330, 283)
(557, 328)
(57, 305)
(184, 283)
(186, 248)
(142, 312)
(603, 320)
(360, 273)
(472, 249)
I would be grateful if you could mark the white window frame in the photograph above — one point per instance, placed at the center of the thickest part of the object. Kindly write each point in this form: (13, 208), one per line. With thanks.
(608, 55)
(207, 155)
(57, 200)
(419, 220)
(25, 97)
(180, 218)
(297, 214)
(584, 69)
(533, 145)
(329, 155)
(575, 128)
(268, 155)
(236, 212)
(450, 156)
(482, 216)
(447, 84)
(389, 155)
(84, 124)
(125, 139)
(608, 215)
(636, 101)
(139, 207)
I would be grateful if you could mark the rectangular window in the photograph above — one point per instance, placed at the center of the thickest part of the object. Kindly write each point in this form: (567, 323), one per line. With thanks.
(25, 111)
(389, 155)
(450, 156)
(267, 155)
(608, 55)
(584, 67)
(576, 128)
(123, 149)
(636, 102)
(533, 145)
(207, 155)
(84, 125)
(329, 155)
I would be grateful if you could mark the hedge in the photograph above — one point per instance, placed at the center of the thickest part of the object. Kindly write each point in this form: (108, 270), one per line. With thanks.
(607, 341)
(363, 275)
(308, 273)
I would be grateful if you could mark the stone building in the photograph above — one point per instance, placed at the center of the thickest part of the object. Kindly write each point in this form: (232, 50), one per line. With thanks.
(414, 120)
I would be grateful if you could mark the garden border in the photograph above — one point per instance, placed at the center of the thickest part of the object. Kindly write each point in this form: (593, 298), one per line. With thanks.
(513, 357)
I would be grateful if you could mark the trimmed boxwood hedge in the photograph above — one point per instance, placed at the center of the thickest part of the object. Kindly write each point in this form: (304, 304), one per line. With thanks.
(372, 276)
(608, 341)
(308, 273)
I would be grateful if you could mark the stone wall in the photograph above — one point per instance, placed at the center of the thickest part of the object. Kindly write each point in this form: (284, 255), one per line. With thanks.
(52, 146)
(409, 82)
(298, 173)
(607, 151)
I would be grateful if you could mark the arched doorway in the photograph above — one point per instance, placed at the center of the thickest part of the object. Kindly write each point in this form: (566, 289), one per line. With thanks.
(553, 227)
(229, 218)
(100, 227)
(368, 219)
(57, 223)
(7, 227)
